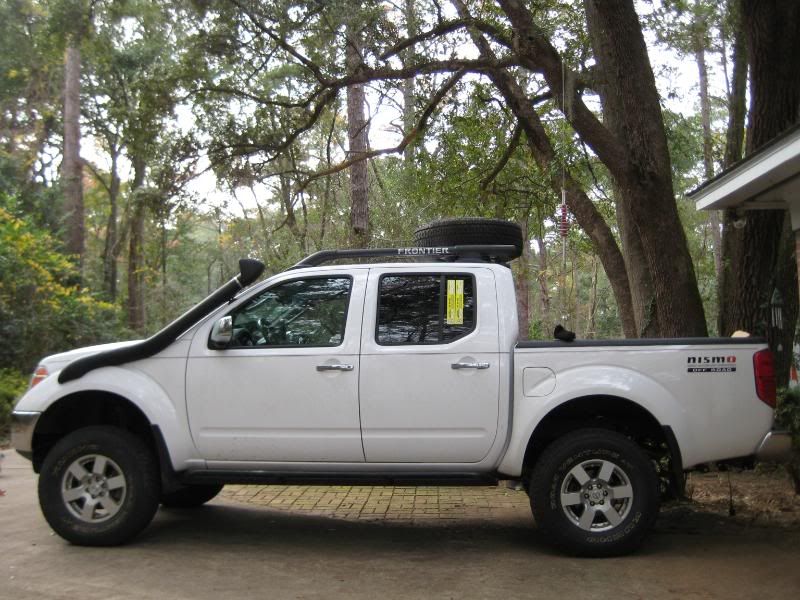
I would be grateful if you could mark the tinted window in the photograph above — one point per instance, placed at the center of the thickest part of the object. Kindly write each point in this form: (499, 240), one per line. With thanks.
(425, 309)
(307, 312)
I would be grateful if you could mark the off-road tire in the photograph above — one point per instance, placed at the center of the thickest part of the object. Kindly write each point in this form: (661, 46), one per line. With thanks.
(134, 467)
(469, 230)
(191, 496)
(555, 482)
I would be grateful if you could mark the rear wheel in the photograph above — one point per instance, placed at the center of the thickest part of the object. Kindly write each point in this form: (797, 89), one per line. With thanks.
(190, 496)
(99, 486)
(594, 493)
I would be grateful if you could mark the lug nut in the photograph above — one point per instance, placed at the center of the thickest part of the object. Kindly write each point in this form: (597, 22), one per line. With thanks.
(591, 503)
(605, 493)
(602, 501)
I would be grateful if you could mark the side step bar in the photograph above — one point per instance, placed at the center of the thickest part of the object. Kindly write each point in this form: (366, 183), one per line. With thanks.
(348, 478)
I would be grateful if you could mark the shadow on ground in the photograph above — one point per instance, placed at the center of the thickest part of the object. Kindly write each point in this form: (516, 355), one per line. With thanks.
(259, 528)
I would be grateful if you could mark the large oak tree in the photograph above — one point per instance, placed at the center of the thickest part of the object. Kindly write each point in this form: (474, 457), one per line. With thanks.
(652, 274)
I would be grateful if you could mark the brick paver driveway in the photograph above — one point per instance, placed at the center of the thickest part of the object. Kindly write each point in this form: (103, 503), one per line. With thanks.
(402, 504)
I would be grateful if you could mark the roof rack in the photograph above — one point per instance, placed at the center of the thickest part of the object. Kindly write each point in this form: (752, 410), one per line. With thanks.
(465, 253)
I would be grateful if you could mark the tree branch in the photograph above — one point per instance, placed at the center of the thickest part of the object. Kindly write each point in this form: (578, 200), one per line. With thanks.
(327, 98)
(407, 139)
(283, 44)
(537, 53)
(513, 143)
(445, 28)
(221, 89)
(97, 175)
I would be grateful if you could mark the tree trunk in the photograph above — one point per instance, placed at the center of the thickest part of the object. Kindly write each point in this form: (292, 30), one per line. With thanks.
(737, 95)
(756, 253)
(781, 339)
(163, 259)
(357, 144)
(136, 314)
(110, 247)
(522, 283)
(541, 277)
(642, 289)
(409, 117)
(300, 233)
(329, 194)
(700, 41)
(772, 34)
(641, 283)
(632, 112)
(71, 166)
(591, 325)
(734, 148)
(287, 201)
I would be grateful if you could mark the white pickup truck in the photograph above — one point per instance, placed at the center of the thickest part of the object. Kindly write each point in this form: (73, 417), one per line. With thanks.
(380, 373)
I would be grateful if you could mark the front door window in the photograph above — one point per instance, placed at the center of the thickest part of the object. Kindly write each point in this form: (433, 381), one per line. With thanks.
(304, 312)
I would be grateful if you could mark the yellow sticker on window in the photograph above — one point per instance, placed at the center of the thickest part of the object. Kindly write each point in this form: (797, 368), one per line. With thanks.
(455, 302)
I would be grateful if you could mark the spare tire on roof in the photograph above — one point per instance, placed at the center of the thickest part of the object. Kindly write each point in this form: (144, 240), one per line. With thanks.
(469, 230)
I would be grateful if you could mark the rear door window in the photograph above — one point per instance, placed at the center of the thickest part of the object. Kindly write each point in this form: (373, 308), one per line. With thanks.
(417, 309)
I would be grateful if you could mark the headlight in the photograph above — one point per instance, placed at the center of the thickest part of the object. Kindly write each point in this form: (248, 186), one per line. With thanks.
(39, 375)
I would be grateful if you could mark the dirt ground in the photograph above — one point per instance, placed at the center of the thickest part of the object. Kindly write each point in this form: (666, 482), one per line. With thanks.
(236, 547)
(762, 497)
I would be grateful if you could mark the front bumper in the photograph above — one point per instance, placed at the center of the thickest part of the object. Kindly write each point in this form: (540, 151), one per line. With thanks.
(22, 425)
(775, 447)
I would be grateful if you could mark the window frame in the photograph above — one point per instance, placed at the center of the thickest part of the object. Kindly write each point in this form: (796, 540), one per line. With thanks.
(286, 346)
(442, 305)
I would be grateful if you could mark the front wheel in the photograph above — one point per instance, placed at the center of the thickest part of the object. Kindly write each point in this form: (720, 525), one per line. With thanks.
(99, 486)
(594, 492)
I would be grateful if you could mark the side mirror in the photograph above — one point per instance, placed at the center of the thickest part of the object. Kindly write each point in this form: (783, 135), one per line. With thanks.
(222, 333)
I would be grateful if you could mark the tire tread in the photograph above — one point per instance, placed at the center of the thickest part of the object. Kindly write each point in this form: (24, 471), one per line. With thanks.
(555, 527)
(142, 476)
(469, 230)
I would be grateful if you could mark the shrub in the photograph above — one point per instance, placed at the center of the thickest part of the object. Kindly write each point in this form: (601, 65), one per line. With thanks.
(12, 386)
(787, 416)
(42, 309)
(787, 413)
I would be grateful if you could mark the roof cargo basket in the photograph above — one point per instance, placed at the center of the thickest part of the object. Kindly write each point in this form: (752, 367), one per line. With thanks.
(500, 254)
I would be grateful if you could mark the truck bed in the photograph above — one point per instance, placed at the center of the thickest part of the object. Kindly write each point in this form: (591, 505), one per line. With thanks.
(702, 388)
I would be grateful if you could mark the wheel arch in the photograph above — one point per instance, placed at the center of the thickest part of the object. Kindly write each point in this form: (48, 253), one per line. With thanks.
(83, 409)
(134, 392)
(616, 414)
(90, 407)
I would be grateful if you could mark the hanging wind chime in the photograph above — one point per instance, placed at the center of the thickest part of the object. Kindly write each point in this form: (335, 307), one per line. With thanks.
(563, 225)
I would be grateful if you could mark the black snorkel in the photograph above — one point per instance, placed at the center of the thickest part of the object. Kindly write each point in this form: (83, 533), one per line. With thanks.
(249, 271)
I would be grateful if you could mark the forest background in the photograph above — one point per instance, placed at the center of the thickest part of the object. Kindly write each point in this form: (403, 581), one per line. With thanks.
(146, 146)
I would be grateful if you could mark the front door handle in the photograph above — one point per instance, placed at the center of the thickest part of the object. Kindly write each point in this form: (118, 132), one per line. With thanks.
(474, 365)
(335, 367)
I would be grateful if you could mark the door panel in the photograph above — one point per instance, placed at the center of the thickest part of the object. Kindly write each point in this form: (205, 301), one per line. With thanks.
(415, 406)
(291, 397)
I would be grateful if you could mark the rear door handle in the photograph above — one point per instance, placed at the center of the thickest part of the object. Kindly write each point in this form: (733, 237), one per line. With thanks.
(466, 365)
(335, 367)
